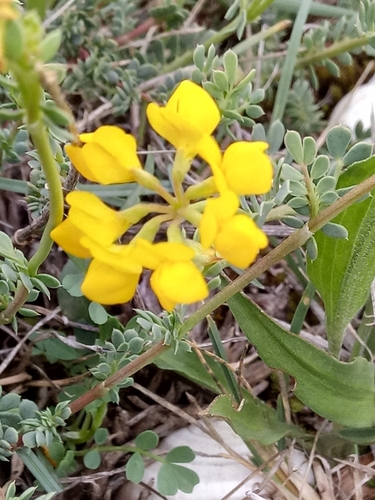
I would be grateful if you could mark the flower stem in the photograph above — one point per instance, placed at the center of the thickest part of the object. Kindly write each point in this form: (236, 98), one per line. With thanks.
(40, 139)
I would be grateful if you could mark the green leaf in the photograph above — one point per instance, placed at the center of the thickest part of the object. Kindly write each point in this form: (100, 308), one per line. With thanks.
(319, 167)
(147, 440)
(56, 349)
(334, 230)
(230, 61)
(100, 435)
(48, 280)
(309, 150)
(341, 392)
(97, 313)
(362, 436)
(337, 141)
(135, 468)
(293, 143)
(41, 469)
(180, 454)
(92, 459)
(344, 269)
(72, 284)
(359, 152)
(255, 419)
(189, 365)
(50, 45)
(172, 478)
(14, 42)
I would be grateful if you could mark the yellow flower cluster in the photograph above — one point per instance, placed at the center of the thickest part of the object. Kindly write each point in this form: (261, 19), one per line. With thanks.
(108, 156)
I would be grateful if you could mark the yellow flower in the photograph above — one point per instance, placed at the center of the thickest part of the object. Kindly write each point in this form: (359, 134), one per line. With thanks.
(68, 237)
(113, 274)
(175, 280)
(187, 121)
(89, 216)
(246, 168)
(107, 285)
(235, 237)
(108, 156)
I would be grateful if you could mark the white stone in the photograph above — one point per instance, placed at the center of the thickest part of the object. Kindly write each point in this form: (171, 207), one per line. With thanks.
(357, 106)
(218, 475)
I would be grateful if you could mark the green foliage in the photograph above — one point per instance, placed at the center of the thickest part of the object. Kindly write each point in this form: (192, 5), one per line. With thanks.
(302, 113)
(42, 429)
(342, 392)
(254, 420)
(172, 478)
(26, 495)
(345, 268)
(235, 96)
(14, 272)
(110, 53)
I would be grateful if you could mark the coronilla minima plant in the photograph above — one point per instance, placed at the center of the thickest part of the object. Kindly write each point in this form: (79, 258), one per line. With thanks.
(181, 206)
(108, 156)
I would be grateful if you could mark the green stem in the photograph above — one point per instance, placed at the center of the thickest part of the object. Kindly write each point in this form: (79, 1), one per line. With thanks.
(335, 50)
(290, 62)
(316, 9)
(40, 139)
(313, 199)
(32, 94)
(124, 449)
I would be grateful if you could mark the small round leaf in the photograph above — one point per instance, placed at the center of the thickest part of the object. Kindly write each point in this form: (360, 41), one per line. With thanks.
(147, 440)
(135, 468)
(92, 459)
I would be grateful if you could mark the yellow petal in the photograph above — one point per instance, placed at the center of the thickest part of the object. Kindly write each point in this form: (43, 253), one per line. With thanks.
(247, 168)
(174, 252)
(208, 149)
(152, 255)
(225, 206)
(107, 156)
(94, 218)
(104, 166)
(76, 157)
(119, 144)
(120, 257)
(178, 283)
(175, 129)
(187, 121)
(239, 241)
(165, 302)
(217, 210)
(196, 105)
(68, 236)
(107, 285)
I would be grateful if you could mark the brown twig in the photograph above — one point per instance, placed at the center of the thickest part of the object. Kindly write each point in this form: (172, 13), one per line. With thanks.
(101, 389)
